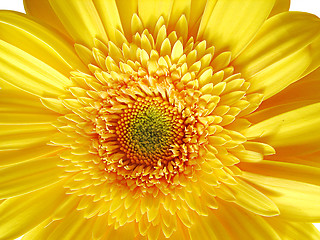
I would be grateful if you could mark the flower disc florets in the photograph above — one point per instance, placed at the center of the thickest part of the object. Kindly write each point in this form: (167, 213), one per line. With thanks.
(143, 140)
(146, 131)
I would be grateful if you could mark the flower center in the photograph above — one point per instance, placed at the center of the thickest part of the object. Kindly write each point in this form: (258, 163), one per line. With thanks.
(147, 129)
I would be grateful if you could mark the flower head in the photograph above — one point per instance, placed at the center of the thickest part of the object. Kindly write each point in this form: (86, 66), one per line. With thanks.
(159, 120)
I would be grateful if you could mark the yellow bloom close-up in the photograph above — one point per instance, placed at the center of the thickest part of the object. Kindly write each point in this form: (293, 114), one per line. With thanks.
(159, 119)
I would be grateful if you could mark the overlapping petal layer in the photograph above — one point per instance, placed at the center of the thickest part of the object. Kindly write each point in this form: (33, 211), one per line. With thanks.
(238, 143)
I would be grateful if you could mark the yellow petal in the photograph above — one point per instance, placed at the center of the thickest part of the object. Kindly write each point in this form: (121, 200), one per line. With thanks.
(29, 176)
(181, 28)
(39, 41)
(41, 231)
(73, 226)
(153, 232)
(177, 51)
(25, 118)
(84, 24)
(294, 230)
(110, 18)
(20, 108)
(315, 55)
(178, 9)
(242, 224)
(196, 10)
(55, 105)
(248, 156)
(100, 226)
(121, 233)
(292, 132)
(21, 136)
(223, 32)
(263, 114)
(201, 230)
(279, 75)
(29, 73)
(150, 11)
(126, 10)
(20, 214)
(230, 221)
(284, 170)
(14, 100)
(221, 61)
(306, 89)
(297, 201)
(253, 200)
(44, 12)
(309, 159)
(285, 33)
(279, 7)
(25, 154)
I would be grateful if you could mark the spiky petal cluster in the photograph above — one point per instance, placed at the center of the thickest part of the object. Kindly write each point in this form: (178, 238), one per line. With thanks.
(159, 80)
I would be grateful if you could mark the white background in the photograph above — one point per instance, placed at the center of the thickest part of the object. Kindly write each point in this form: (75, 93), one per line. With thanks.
(311, 6)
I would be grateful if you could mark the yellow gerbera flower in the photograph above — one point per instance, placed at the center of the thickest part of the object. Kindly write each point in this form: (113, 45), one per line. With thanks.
(159, 119)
